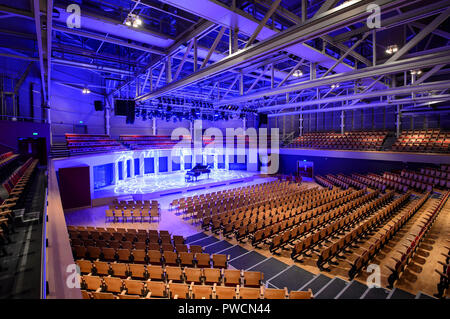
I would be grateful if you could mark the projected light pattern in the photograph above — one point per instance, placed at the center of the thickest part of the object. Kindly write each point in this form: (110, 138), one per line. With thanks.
(161, 182)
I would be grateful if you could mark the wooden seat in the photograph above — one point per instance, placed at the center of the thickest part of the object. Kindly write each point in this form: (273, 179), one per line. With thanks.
(193, 275)
(212, 275)
(124, 255)
(156, 273)
(108, 254)
(271, 293)
(86, 294)
(201, 292)
(178, 291)
(139, 256)
(91, 282)
(119, 270)
(154, 257)
(138, 271)
(85, 266)
(156, 289)
(134, 287)
(113, 284)
(301, 294)
(101, 268)
(170, 258)
(103, 295)
(174, 274)
(186, 259)
(196, 249)
(253, 278)
(225, 292)
(203, 260)
(219, 261)
(249, 293)
(232, 277)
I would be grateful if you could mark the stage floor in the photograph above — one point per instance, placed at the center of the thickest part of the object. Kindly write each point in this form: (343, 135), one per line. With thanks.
(173, 182)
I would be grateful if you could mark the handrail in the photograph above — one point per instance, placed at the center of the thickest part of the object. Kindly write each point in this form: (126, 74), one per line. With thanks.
(59, 252)
(43, 291)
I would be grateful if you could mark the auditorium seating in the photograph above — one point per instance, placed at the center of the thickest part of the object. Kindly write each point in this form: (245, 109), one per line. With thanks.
(130, 277)
(132, 211)
(94, 287)
(323, 182)
(421, 232)
(91, 143)
(429, 141)
(368, 141)
(18, 187)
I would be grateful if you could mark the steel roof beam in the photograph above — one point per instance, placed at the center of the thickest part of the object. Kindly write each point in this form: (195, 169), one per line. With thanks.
(384, 69)
(373, 94)
(335, 18)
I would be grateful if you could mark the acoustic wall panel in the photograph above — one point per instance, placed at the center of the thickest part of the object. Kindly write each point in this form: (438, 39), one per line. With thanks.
(74, 187)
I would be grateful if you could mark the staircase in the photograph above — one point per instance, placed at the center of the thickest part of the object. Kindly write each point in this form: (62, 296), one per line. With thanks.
(324, 287)
(389, 141)
(288, 138)
(59, 150)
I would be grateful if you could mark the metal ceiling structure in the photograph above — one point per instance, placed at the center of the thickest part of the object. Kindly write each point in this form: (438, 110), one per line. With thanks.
(280, 57)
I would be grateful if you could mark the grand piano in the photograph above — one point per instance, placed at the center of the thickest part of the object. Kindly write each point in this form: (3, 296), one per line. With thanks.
(198, 170)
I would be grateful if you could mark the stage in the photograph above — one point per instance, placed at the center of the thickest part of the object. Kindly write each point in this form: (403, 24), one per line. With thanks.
(163, 184)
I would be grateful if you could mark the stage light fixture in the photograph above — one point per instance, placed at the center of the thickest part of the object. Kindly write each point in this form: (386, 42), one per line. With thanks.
(298, 73)
(391, 49)
(86, 91)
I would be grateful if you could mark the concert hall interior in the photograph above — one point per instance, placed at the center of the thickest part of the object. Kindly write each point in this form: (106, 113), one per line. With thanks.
(224, 149)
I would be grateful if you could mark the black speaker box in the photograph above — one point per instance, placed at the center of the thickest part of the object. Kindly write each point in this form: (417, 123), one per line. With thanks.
(99, 105)
(120, 107)
(262, 119)
(131, 113)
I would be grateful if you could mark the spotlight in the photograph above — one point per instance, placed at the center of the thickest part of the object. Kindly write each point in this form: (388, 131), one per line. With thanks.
(137, 21)
(298, 73)
(335, 86)
(392, 49)
(86, 91)
(416, 72)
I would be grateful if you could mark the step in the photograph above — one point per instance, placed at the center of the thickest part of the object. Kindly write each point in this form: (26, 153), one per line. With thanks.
(316, 283)
(354, 290)
(421, 295)
(397, 293)
(332, 289)
(375, 293)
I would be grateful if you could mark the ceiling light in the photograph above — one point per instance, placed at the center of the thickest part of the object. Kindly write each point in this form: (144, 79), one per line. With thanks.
(138, 21)
(298, 73)
(392, 49)
(334, 86)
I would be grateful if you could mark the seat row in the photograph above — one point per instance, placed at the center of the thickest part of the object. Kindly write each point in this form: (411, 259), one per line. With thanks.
(406, 256)
(310, 223)
(132, 215)
(304, 246)
(134, 289)
(142, 245)
(227, 277)
(153, 257)
(311, 219)
(323, 182)
(371, 223)
(367, 251)
(123, 234)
